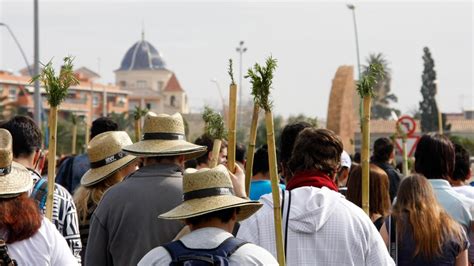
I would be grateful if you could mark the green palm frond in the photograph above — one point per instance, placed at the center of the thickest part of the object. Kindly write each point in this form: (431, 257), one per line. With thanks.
(231, 72)
(365, 86)
(214, 124)
(57, 86)
(139, 112)
(261, 79)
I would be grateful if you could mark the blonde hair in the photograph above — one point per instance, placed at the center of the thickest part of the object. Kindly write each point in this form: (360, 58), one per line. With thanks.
(84, 195)
(417, 208)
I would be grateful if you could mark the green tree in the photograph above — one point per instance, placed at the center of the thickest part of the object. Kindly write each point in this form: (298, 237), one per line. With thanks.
(382, 97)
(302, 117)
(278, 124)
(428, 106)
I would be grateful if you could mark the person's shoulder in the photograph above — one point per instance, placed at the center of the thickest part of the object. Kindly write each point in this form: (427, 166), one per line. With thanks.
(251, 254)
(156, 256)
(62, 192)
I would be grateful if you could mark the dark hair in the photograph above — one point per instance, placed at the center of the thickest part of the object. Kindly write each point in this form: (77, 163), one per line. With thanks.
(434, 156)
(260, 161)
(20, 217)
(206, 140)
(288, 138)
(240, 151)
(378, 189)
(224, 216)
(25, 133)
(462, 164)
(316, 149)
(383, 149)
(101, 125)
(356, 157)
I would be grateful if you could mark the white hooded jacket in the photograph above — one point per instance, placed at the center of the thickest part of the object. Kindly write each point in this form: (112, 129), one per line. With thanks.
(324, 229)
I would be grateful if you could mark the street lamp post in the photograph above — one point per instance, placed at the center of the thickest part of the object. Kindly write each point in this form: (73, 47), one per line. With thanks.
(37, 95)
(30, 71)
(240, 49)
(352, 7)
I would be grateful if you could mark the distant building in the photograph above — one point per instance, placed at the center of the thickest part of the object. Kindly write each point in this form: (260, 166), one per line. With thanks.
(83, 99)
(151, 85)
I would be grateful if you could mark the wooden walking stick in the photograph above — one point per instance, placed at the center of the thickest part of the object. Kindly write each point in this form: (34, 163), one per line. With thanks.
(261, 79)
(56, 91)
(232, 121)
(74, 133)
(138, 113)
(251, 148)
(365, 87)
(215, 129)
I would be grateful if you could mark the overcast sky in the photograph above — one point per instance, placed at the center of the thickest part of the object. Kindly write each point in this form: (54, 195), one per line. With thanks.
(310, 39)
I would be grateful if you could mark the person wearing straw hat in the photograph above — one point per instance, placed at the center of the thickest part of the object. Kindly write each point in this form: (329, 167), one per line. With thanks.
(211, 210)
(26, 145)
(70, 171)
(30, 238)
(109, 165)
(124, 225)
(320, 226)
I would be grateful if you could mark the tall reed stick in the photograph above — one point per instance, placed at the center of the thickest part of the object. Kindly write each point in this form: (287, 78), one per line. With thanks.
(138, 113)
(251, 149)
(232, 120)
(214, 128)
(74, 133)
(261, 79)
(365, 87)
(56, 91)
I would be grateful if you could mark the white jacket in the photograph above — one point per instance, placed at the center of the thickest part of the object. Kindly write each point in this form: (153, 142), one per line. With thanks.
(324, 229)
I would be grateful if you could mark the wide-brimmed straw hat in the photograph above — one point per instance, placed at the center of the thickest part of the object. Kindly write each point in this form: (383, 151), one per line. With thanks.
(163, 135)
(14, 177)
(209, 190)
(106, 156)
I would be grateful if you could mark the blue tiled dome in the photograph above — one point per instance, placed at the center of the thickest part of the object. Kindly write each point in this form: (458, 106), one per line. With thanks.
(142, 56)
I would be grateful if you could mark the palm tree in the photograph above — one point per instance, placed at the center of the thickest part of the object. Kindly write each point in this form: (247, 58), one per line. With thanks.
(382, 97)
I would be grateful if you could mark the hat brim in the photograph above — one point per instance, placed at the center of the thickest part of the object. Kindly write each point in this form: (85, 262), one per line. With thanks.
(96, 175)
(201, 206)
(148, 148)
(19, 180)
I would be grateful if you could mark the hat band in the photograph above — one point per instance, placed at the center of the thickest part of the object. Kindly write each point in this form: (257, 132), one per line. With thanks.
(108, 160)
(5, 170)
(163, 136)
(208, 192)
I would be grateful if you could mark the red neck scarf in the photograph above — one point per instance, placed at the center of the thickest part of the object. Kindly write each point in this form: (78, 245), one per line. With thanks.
(312, 178)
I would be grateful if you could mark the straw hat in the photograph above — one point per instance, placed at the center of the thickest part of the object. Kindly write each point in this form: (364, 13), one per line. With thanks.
(164, 136)
(106, 156)
(14, 178)
(209, 190)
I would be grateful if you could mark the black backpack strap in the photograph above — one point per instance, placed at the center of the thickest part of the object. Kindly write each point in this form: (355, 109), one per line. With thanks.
(175, 249)
(393, 239)
(229, 246)
(4, 257)
(180, 253)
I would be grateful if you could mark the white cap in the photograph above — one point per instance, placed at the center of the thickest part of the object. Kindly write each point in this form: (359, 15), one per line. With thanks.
(345, 160)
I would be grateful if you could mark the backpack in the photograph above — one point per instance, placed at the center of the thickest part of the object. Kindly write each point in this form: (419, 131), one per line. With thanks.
(40, 192)
(184, 256)
(5, 259)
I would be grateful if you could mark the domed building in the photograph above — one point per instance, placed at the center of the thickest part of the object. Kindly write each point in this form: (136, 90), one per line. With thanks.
(151, 85)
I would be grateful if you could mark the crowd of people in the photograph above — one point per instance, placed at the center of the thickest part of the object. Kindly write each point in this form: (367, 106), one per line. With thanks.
(157, 202)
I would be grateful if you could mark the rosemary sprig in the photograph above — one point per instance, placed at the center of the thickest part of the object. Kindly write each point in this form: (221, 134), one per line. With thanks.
(214, 124)
(261, 79)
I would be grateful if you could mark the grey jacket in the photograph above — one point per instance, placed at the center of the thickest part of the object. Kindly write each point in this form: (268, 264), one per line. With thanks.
(125, 225)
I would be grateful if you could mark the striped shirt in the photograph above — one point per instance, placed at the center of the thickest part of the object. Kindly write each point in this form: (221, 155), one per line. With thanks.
(64, 214)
